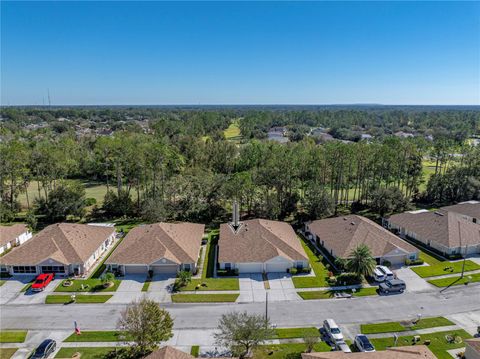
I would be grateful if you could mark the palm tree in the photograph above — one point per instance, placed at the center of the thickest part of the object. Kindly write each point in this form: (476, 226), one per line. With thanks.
(361, 261)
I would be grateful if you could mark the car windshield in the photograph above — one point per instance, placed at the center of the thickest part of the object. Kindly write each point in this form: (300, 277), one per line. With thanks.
(41, 348)
(39, 281)
(335, 331)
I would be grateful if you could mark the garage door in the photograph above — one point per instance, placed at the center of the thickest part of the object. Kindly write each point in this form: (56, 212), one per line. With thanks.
(396, 260)
(165, 269)
(250, 267)
(277, 267)
(136, 269)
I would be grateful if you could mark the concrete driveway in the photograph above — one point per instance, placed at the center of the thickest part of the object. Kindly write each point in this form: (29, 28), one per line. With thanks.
(12, 287)
(160, 288)
(414, 282)
(281, 287)
(130, 289)
(251, 288)
(31, 297)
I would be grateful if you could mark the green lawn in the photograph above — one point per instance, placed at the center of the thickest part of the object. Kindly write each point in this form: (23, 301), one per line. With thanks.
(89, 285)
(2, 282)
(146, 286)
(321, 273)
(445, 282)
(195, 351)
(13, 336)
(428, 258)
(26, 286)
(441, 268)
(438, 343)
(204, 298)
(213, 284)
(287, 333)
(86, 353)
(97, 336)
(80, 299)
(7, 353)
(209, 262)
(287, 351)
(327, 294)
(388, 327)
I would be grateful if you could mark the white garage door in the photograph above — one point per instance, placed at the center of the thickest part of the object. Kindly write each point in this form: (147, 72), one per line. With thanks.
(136, 269)
(250, 267)
(396, 260)
(277, 267)
(165, 269)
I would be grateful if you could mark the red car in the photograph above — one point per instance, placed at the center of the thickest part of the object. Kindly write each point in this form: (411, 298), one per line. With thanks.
(42, 281)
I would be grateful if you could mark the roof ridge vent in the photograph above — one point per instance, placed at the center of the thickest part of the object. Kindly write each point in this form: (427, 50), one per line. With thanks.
(439, 213)
(352, 223)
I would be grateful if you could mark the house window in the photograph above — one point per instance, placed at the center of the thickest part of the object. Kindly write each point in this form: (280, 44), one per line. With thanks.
(53, 269)
(299, 265)
(24, 269)
(228, 266)
(187, 267)
(412, 256)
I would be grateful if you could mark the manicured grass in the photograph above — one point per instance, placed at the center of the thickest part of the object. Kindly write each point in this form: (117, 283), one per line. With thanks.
(438, 343)
(321, 273)
(98, 336)
(195, 351)
(204, 298)
(146, 286)
(209, 262)
(327, 294)
(90, 285)
(287, 333)
(428, 258)
(452, 281)
(389, 327)
(13, 336)
(441, 268)
(212, 284)
(26, 286)
(80, 299)
(287, 351)
(86, 353)
(7, 353)
(2, 282)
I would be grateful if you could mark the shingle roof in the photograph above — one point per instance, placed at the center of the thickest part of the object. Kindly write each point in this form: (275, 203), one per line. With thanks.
(9, 233)
(474, 344)
(67, 243)
(471, 209)
(178, 242)
(259, 240)
(344, 234)
(408, 352)
(168, 352)
(444, 227)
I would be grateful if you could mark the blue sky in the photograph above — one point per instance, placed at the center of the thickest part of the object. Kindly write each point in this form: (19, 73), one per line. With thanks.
(240, 53)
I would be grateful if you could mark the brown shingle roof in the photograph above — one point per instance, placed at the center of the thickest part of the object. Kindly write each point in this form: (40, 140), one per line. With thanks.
(168, 352)
(178, 242)
(474, 344)
(408, 352)
(67, 243)
(9, 233)
(344, 234)
(471, 209)
(444, 227)
(259, 240)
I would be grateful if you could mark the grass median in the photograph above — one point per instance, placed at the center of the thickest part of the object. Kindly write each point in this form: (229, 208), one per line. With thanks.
(13, 336)
(454, 281)
(289, 333)
(443, 268)
(207, 284)
(204, 298)
(79, 299)
(91, 285)
(388, 327)
(328, 294)
(321, 272)
(438, 342)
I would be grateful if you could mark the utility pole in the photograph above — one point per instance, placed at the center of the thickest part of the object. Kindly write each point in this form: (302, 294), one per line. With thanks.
(464, 259)
(266, 307)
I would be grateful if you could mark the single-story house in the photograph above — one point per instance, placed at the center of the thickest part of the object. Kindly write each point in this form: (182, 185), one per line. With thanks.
(62, 248)
(341, 235)
(472, 348)
(260, 245)
(12, 236)
(164, 248)
(168, 352)
(469, 210)
(407, 352)
(445, 231)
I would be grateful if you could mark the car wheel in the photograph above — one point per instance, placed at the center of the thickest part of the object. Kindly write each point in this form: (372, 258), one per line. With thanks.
(386, 292)
(401, 290)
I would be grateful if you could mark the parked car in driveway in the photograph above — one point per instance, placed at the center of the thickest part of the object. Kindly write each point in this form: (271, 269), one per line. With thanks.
(387, 273)
(42, 281)
(378, 275)
(392, 286)
(45, 349)
(363, 344)
(333, 331)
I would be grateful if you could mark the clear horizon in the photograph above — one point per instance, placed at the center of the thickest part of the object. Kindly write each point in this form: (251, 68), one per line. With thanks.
(234, 54)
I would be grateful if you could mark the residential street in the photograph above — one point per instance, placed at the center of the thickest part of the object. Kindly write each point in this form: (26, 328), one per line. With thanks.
(286, 314)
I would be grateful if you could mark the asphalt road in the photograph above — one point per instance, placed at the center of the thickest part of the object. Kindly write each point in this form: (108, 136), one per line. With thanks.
(284, 314)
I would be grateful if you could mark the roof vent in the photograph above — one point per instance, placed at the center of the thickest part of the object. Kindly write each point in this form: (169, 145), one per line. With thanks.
(439, 213)
(345, 218)
(352, 223)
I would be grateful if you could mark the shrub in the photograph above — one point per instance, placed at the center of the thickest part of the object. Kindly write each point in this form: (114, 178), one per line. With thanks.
(413, 262)
(293, 271)
(349, 279)
(332, 280)
(227, 273)
(386, 263)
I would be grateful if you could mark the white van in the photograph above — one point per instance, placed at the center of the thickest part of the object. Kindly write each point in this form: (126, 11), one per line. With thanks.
(388, 273)
(379, 275)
